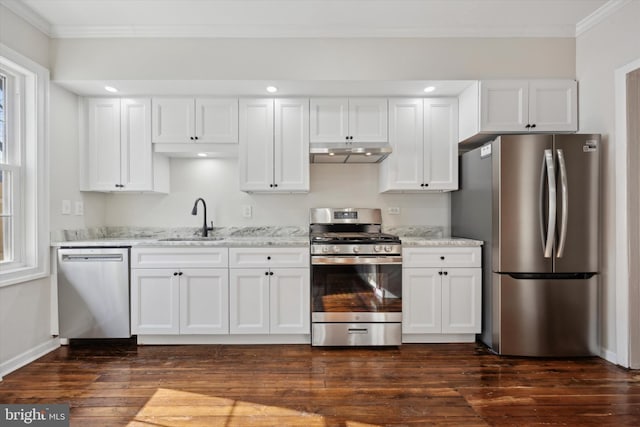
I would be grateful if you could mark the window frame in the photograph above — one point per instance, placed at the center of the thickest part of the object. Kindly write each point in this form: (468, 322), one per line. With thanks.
(29, 167)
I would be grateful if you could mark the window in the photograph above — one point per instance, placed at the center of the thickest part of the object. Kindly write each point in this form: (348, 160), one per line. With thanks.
(24, 215)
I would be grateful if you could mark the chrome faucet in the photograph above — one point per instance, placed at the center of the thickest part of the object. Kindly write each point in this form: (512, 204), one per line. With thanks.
(194, 211)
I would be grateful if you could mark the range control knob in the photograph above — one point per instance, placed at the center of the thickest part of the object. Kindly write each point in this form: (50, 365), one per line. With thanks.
(356, 249)
(325, 249)
(387, 248)
(336, 249)
(377, 248)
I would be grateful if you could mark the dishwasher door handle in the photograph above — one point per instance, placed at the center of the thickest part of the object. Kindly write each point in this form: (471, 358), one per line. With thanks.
(93, 258)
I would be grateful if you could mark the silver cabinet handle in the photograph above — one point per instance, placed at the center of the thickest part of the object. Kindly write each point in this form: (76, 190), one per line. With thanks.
(564, 189)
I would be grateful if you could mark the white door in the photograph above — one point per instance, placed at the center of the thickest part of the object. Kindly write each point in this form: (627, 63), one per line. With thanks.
(136, 171)
(204, 301)
(368, 120)
(421, 296)
(155, 307)
(216, 120)
(290, 301)
(441, 144)
(248, 301)
(461, 300)
(256, 144)
(103, 126)
(504, 106)
(173, 120)
(403, 168)
(329, 120)
(291, 145)
(553, 105)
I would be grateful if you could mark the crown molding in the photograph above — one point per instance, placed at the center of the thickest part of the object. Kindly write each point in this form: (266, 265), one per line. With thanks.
(26, 13)
(599, 15)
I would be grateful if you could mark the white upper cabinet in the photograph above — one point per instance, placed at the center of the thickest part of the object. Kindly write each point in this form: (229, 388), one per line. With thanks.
(274, 145)
(199, 120)
(491, 107)
(117, 154)
(348, 120)
(423, 134)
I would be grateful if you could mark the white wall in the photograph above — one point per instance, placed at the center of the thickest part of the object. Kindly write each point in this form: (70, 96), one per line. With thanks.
(24, 308)
(312, 59)
(217, 181)
(599, 52)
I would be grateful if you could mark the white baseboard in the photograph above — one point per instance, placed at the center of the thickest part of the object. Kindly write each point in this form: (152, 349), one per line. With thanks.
(28, 356)
(609, 356)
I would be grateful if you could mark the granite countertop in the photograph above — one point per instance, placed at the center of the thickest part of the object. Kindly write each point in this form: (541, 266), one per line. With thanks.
(267, 236)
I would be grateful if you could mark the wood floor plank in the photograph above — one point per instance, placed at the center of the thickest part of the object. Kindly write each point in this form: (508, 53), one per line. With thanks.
(297, 385)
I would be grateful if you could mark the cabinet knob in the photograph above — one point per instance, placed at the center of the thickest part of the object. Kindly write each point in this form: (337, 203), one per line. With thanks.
(442, 257)
(191, 138)
(533, 125)
(271, 185)
(440, 273)
(446, 273)
(275, 185)
(180, 274)
(528, 126)
(426, 184)
(351, 137)
(175, 273)
(195, 137)
(271, 273)
(266, 273)
(268, 257)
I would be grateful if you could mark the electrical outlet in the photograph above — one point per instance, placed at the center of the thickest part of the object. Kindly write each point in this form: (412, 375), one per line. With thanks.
(66, 207)
(247, 211)
(79, 208)
(393, 211)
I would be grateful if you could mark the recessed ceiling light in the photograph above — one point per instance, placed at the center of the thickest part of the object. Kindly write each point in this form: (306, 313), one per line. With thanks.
(272, 89)
(110, 89)
(202, 154)
(332, 154)
(429, 89)
(367, 154)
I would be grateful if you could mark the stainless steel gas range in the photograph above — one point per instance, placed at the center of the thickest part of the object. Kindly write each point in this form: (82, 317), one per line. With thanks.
(356, 279)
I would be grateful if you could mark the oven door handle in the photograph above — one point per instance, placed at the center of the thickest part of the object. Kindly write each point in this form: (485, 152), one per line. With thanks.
(355, 260)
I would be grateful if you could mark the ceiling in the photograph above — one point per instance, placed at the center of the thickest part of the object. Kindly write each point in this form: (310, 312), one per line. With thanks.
(309, 18)
(303, 19)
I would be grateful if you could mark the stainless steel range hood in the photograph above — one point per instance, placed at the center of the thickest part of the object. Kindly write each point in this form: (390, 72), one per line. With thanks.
(349, 153)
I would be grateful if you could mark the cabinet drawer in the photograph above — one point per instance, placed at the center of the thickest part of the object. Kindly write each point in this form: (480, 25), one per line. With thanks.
(183, 257)
(458, 256)
(268, 257)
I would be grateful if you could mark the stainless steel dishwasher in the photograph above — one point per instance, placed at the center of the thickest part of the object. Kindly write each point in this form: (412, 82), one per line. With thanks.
(93, 292)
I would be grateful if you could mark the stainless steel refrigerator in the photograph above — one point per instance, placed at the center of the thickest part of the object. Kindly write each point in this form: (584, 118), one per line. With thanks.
(534, 200)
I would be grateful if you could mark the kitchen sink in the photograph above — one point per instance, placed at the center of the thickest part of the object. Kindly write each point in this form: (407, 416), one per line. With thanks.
(191, 239)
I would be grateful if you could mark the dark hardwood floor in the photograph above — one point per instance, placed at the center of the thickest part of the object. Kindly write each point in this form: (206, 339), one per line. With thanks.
(299, 385)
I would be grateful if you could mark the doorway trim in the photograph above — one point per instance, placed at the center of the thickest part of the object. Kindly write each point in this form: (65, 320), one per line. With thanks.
(623, 292)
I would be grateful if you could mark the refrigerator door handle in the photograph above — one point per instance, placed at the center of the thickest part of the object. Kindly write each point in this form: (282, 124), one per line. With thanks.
(551, 197)
(564, 189)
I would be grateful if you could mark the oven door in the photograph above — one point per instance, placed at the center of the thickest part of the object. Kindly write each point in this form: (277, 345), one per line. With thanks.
(356, 288)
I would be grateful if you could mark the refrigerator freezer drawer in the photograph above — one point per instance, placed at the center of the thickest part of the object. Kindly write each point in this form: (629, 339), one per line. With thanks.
(545, 318)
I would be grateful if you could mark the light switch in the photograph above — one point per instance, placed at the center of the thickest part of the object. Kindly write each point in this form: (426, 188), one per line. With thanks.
(79, 208)
(393, 211)
(66, 207)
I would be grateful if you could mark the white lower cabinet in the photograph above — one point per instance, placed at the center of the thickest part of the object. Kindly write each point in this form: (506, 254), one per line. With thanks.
(182, 297)
(269, 291)
(441, 294)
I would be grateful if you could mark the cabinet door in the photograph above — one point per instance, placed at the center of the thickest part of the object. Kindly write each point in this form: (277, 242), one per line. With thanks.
(504, 106)
(256, 144)
(421, 298)
(461, 300)
(204, 301)
(441, 144)
(216, 120)
(329, 119)
(103, 127)
(173, 120)
(289, 301)
(248, 301)
(155, 307)
(136, 151)
(368, 119)
(291, 145)
(553, 105)
(403, 169)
